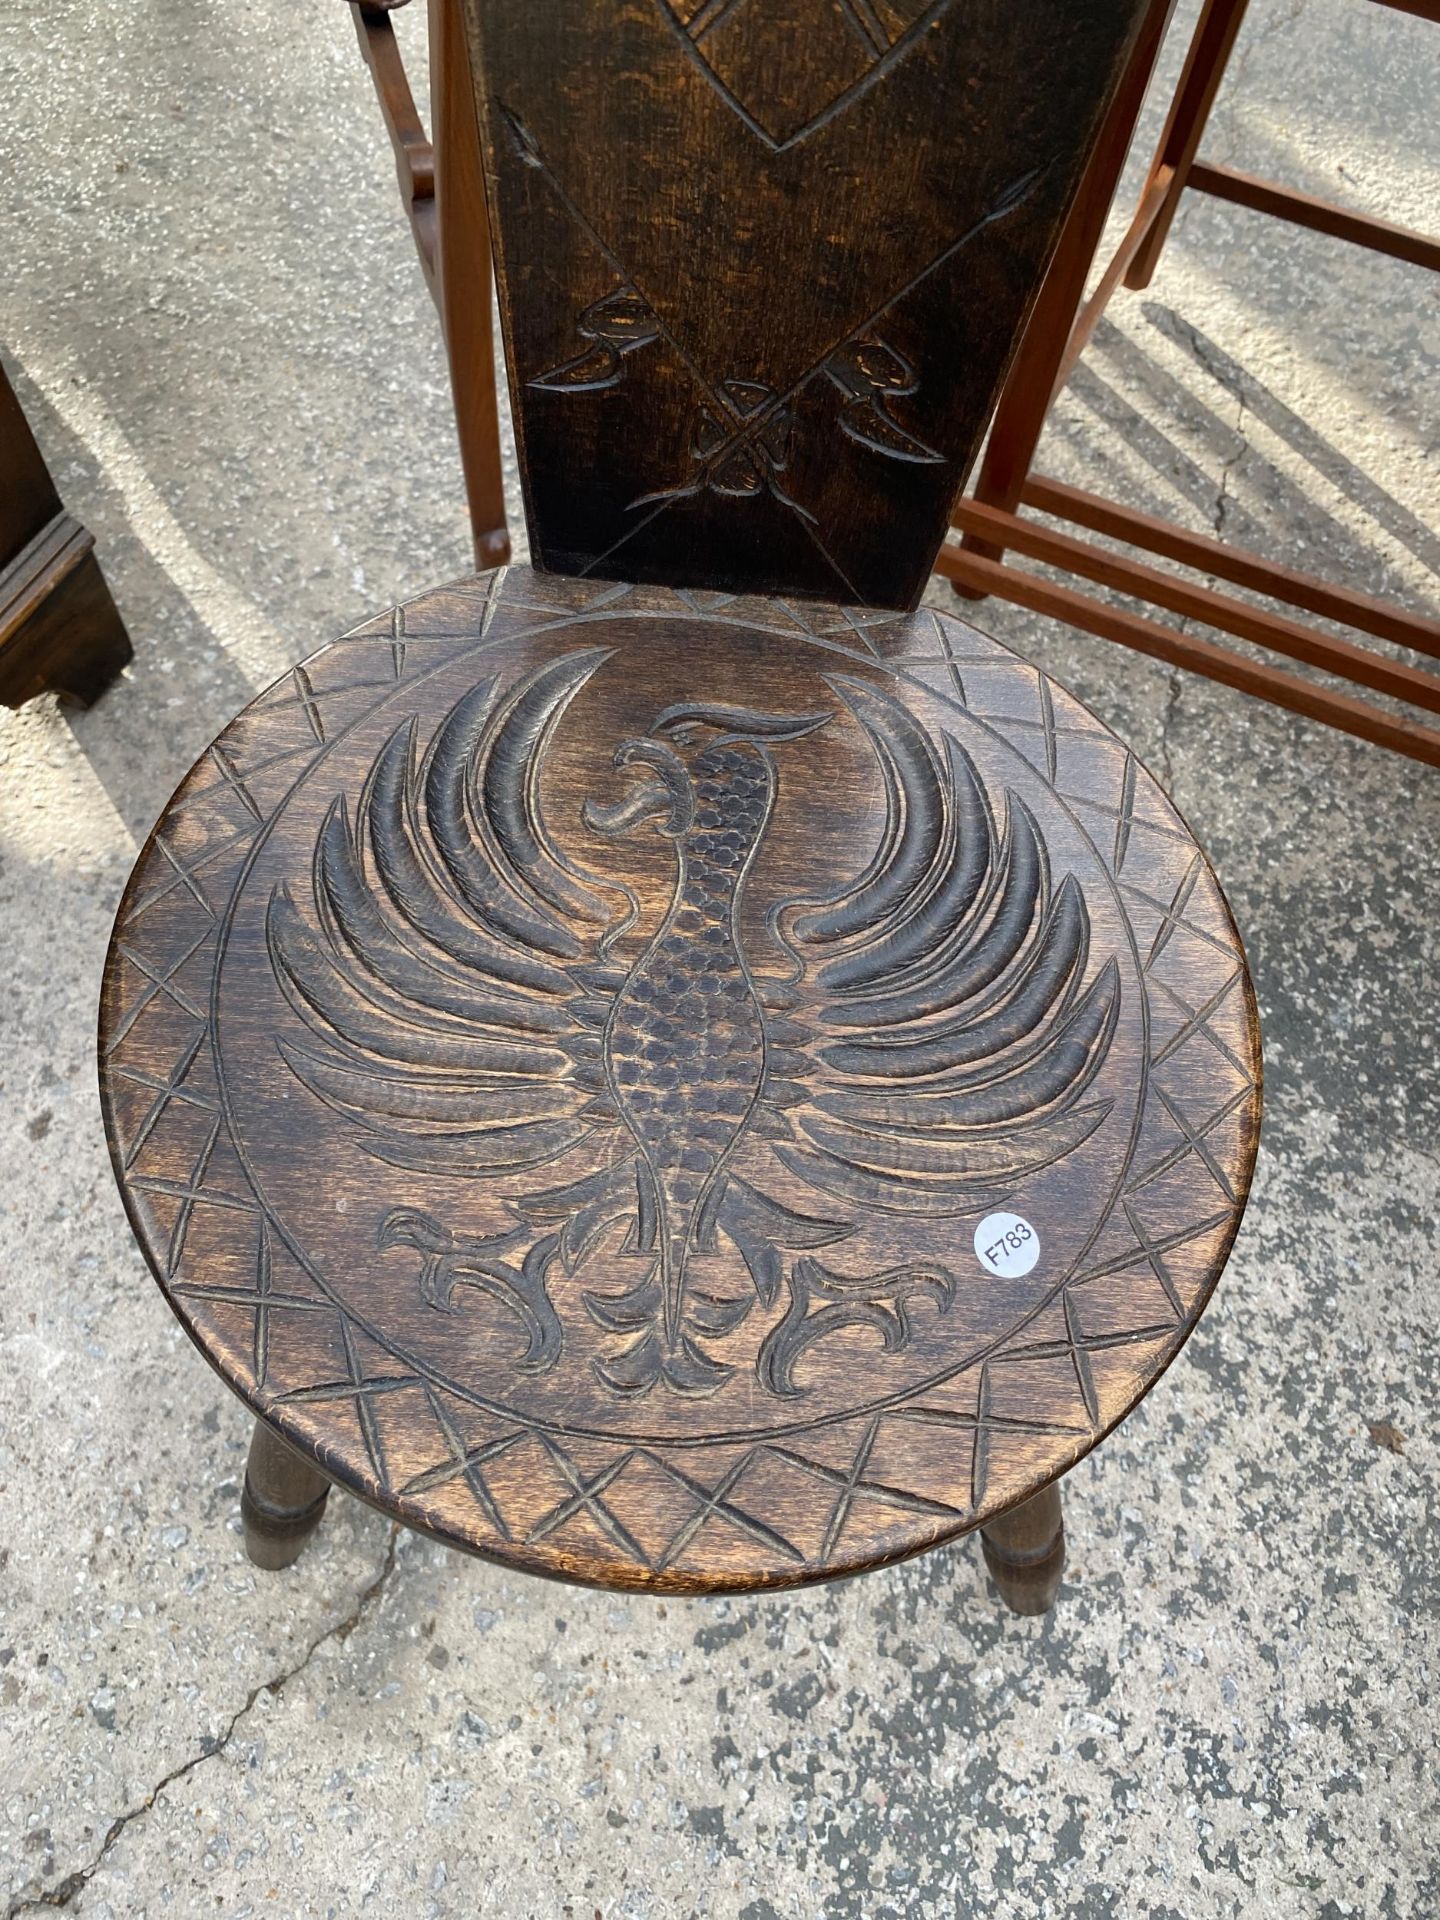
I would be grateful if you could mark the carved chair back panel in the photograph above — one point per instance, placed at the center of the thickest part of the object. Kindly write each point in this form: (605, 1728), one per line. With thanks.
(762, 265)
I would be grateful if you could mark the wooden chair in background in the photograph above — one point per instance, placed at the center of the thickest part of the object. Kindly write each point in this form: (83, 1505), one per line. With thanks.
(671, 1069)
(1059, 329)
(442, 187)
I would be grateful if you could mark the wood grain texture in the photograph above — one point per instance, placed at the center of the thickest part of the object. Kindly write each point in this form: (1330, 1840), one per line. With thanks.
(762, 267)
(558, 1046)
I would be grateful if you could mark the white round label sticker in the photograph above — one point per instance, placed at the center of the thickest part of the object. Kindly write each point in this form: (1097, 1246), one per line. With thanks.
(1007, 1245)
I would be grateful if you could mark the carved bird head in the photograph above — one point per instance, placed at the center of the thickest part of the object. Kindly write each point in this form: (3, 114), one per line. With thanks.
(691, 745)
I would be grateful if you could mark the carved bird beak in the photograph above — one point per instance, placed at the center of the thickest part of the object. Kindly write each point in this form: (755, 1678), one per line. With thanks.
(664, 794)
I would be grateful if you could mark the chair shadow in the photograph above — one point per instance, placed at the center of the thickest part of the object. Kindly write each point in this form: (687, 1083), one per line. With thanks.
(1302, 439)
(1293, 516)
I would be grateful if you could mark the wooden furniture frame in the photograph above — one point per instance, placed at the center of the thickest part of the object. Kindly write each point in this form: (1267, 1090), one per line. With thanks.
(59, 628)
(442, 188)
(638, 1067)
(990, 521)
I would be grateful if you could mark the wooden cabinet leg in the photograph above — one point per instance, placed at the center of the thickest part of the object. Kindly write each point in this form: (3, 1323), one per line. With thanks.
(283, 1500)
(1025, 1552)
(59, 630)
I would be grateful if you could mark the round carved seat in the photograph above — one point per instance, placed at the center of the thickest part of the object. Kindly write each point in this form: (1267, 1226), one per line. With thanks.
(675, 1091)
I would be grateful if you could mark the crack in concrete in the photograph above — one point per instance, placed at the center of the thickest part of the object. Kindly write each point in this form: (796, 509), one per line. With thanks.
(1172, 704)
(1224, 377)
(1222, 496)
(1230, 380)
(64, 1891)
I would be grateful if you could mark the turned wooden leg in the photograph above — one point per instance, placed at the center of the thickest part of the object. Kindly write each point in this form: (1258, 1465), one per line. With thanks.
(1025, 1552)
(283, 1500)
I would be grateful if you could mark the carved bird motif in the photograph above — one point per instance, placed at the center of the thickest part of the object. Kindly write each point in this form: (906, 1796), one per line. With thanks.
(926, 1046)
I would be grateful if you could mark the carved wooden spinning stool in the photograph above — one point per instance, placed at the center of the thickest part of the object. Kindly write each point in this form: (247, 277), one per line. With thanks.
(694, 1086)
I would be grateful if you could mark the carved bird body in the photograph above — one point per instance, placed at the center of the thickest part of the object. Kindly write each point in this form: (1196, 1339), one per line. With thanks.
(928, 1045)
(685, 1042)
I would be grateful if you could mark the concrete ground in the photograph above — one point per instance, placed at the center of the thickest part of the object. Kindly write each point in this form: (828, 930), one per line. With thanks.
(214, 318)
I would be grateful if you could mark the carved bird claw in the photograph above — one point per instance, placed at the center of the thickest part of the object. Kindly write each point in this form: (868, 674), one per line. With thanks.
(822, 1302)
(473, 1260)
(407, 1227)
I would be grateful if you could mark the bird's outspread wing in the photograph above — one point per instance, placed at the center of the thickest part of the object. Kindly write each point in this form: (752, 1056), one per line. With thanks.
(453, 1011)
(942, 998)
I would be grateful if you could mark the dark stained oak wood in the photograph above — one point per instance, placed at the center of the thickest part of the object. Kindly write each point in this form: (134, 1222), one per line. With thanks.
(561, 1044)
(60, 631)
(762, 267)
